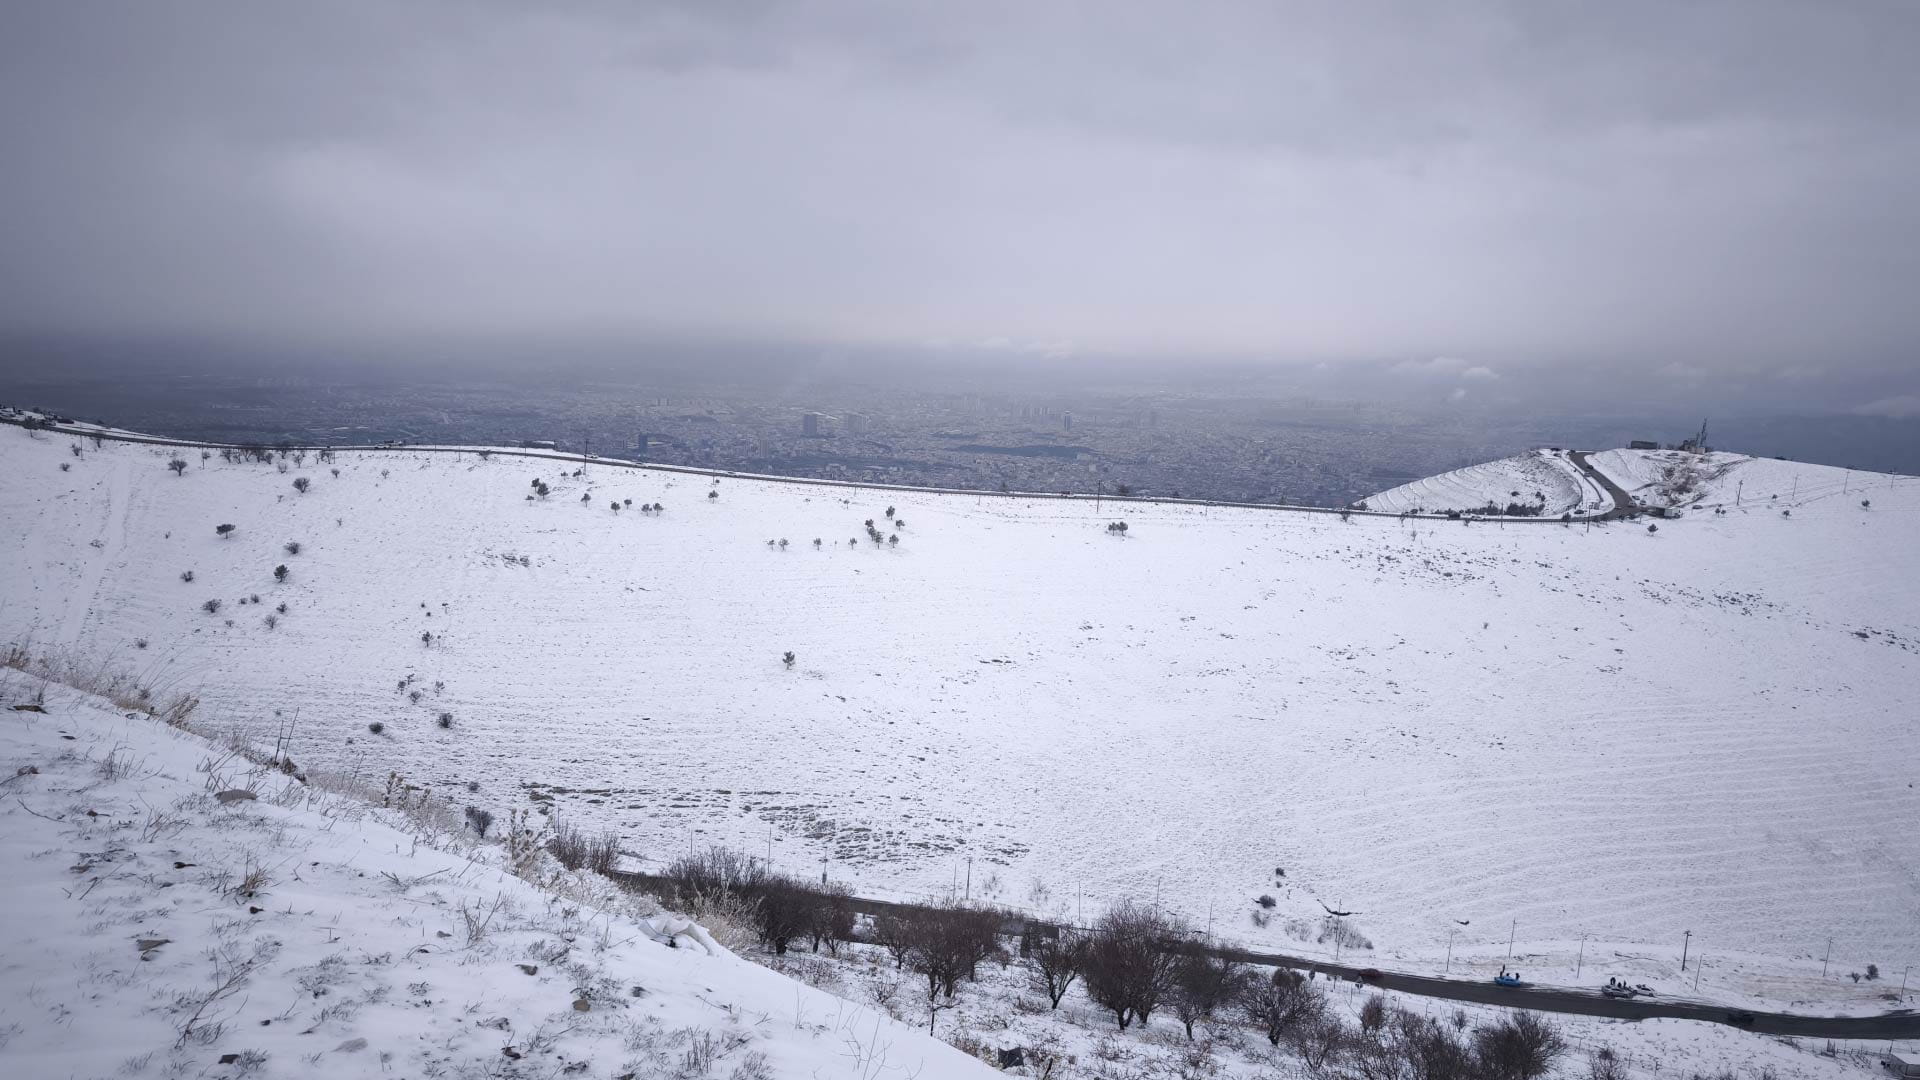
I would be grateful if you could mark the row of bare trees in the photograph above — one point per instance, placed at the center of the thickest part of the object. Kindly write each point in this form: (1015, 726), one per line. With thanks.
(1135, 962)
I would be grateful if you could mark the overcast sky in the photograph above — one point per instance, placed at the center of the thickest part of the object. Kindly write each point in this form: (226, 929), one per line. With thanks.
(1469, 189)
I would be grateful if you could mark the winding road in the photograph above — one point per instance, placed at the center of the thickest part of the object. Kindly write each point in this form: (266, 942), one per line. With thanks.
(1623, 504)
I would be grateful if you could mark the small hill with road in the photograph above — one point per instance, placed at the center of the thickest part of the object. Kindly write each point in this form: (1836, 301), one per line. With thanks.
(1539, 483)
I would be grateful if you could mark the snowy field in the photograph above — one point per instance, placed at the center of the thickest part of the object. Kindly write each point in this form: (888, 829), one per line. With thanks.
(1457, 731)
(1542, 478)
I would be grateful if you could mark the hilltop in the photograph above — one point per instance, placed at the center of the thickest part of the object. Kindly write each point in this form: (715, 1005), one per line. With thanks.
(1459, 731)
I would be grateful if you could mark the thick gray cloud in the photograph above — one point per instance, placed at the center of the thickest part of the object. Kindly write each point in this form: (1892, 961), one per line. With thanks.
(1705, 187)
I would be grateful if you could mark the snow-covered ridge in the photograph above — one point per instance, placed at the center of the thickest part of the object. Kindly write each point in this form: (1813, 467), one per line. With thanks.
(174, 909)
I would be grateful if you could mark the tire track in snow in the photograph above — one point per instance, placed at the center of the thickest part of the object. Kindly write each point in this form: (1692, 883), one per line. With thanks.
(108, 545)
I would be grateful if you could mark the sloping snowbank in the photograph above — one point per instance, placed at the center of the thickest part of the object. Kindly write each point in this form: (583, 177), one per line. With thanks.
(153, 928)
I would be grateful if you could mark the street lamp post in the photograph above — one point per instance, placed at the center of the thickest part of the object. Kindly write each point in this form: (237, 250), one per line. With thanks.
(1686, 940)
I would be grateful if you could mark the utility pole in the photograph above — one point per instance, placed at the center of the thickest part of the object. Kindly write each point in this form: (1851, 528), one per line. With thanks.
(1903, 982)
(969, 893)
(1581, 956)
(1686, 940)
(1449, 968)
(1510, 932)
(1824, 959)
(1698, 967)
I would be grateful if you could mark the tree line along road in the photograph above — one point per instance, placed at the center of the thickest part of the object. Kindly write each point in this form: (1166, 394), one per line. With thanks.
(1897, 1024)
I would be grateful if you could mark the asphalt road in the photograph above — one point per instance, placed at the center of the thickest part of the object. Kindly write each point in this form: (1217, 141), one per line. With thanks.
(1623, 503)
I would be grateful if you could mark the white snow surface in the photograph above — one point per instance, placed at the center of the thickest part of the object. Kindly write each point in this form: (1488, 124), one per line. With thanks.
(128, 909)
(1544, 478)
(1456, 731)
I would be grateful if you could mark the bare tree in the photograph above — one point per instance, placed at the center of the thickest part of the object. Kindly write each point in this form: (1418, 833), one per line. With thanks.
(1131, 963)
(1056, 961)
(893, 933)
(1520, 1048)
(1279, 1004)
(1202, 983)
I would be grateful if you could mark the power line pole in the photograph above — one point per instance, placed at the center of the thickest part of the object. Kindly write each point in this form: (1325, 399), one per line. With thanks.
(1698, 967)
(1824, 959)
(1581, 956)
(1686, 939)
(1510, 932)
(1450, 933)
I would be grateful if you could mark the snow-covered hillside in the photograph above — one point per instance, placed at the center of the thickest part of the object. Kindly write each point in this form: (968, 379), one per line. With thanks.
(157, 924)
(1459, 731)
(1544, 482)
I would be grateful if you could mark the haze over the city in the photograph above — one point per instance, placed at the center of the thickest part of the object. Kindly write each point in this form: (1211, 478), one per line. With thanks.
(1582, 208)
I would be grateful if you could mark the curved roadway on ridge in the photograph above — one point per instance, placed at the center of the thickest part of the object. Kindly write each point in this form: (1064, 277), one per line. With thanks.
(1623, 503)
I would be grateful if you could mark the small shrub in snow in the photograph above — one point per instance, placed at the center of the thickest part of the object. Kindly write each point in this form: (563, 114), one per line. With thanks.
(377, 727)
(282, 608)
(787, 658)
(445, 720)
(280, 572)
(301, 484)
(178, 465)
(576, 850)
(272, 621)
(186, 575)
(479, 820)
(336, 473)
(211, 607)
(224, 531)
(292, 547)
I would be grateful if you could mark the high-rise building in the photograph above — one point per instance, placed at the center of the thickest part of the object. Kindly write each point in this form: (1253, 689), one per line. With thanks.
(1066, 421)
(810, 424)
